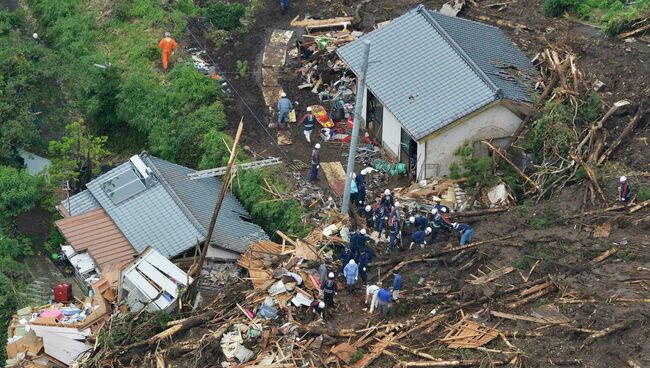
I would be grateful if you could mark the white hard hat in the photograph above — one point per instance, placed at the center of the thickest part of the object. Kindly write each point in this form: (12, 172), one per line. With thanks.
(443, 210)
(434, 211)
(428, 230)
(35, 35)
(308, 108)
(321, 305)
(331, 275)
(364, 171)
(455, 225)
(352, 262)
(368, 208)
(354, 175)
(167, 34)
(317, 146)
(412, 219)
(387, 192)
(363, 231)
(396, 204)
(623, 179)
(436, 199)
(283, 94)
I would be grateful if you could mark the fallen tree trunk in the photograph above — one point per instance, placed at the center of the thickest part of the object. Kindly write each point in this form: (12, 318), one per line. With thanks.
(639, 206)
(610, 330)
(633, 32)
(629, 128)
(476, 213)
(517, 169)
(454, 363)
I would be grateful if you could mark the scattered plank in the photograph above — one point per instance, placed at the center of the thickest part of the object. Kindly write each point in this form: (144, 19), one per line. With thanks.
(606, 254)
(453, 363)
(531, 297)
(335, 176)
(603, 230)
(493, 275)
(469, 334)
(633, 32)
(610, 330)
(639, 206)
(516, 317)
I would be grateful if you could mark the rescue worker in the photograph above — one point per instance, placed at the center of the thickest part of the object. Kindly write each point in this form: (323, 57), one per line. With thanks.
(167, 44)
(371, 297)
(380, 216)
(465, 231)
(624, 192)
(354, 190)
(315, 162)
(370, 222)
(361, 186)
(354, 245)
(351, 273)
(284, 5)
(364, 260)
(387, 200)
(397, 285)
(346, 256)
(418, 238)
(438, 223)
(318, 309)
(284, 108)
(438, 205)
(384, 301)
(308, 122)
(329, 289)
(393, 232)
(420, 222)
(395, 213)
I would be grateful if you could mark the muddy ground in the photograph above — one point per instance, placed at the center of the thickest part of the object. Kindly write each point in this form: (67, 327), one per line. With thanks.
(562, 245)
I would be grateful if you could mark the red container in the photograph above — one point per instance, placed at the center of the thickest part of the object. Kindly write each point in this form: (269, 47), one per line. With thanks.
(62, 292)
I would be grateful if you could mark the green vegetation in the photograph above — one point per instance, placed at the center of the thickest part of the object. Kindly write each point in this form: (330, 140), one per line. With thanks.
(78, 156)
(268, 212)
(643, 194)
(615, 16)
(224, 15)
(357, 356)
(18, 193)
(242, 68)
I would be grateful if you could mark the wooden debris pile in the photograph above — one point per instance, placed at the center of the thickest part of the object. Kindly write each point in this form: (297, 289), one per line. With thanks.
(573, 150)
(420, 195)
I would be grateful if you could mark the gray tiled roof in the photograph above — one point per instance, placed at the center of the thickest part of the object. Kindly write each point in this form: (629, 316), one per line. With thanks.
(233, 230)
(151, 217)
(79, 203)
(173, 212)
(430, 70)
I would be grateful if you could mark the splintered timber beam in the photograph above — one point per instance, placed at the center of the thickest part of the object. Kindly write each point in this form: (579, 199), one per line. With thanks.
(454, 363)
(517, 169)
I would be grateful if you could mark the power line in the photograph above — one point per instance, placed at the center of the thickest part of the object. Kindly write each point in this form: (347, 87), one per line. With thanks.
(232, 87)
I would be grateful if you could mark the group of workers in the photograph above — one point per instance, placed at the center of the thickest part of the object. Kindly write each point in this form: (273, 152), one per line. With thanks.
(355, 258)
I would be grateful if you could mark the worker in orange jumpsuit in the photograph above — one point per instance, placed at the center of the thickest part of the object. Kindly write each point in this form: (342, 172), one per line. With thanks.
(167, 45)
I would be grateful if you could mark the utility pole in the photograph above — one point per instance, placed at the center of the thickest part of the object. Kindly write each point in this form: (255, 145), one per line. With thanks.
(361, 86)
(195, 269)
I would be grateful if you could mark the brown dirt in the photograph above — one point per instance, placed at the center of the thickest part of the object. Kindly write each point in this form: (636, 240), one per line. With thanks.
(562, 246)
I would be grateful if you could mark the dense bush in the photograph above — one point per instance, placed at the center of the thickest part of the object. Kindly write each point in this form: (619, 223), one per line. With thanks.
(615, 16)
(18, 192)
(265, 211)
(555, 8)
(225, 16)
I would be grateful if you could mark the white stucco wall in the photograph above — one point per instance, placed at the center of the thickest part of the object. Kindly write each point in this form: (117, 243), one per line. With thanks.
(495, 122)
(391, 133)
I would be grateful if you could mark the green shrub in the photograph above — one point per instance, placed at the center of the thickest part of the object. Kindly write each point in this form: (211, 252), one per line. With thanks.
(265, 210)
(643, 194)
(225, 16)
(544, 220)
(242, 68)
(18, 192)
(555, 8)
(8, 21)
(476, 170)
(551, 134)
(357, 356)
(590, 109)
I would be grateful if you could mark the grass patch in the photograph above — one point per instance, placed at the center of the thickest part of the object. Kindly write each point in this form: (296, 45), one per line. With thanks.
(615, 16)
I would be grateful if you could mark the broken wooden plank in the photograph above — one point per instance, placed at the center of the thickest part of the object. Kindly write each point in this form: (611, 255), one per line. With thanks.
(335, 176)
(322, 23)
(492, 276)
(606, 254)
(375, 351)
(516, 317)
(531, 297)
(602, 230)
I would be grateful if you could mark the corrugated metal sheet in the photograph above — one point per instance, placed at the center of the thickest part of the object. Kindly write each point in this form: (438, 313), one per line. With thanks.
(151, 217)
(234, 230)
(425, 77)
(95, 233)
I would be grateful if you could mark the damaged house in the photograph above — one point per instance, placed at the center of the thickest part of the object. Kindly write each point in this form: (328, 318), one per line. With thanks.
(145, 202)
(454, 82)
